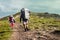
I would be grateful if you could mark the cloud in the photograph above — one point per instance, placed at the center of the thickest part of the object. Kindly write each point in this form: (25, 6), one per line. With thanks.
(33, 5)
(52, 6)
(17, 3)
(11, 5)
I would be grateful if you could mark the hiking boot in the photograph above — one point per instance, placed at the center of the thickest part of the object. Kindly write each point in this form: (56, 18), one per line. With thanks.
(27, 29)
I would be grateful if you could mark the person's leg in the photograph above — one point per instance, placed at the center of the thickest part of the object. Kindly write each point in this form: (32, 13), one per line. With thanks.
(11, 25)
(24, 24)
(27, 26)
(27, 23)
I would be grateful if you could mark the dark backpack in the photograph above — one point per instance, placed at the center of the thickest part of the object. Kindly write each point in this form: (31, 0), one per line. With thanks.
(22, 14)
(10, 18)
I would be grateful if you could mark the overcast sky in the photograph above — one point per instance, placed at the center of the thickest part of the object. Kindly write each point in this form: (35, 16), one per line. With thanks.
(51, 6)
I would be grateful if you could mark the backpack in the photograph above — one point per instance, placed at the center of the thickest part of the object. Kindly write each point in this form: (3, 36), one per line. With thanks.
(25, 14)
(10, 19)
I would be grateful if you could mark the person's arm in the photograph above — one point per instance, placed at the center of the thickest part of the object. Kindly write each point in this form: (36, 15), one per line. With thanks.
(20, 16)
(14, 19)
(20, 19)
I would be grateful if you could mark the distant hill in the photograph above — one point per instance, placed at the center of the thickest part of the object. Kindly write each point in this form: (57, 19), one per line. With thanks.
(46, 14)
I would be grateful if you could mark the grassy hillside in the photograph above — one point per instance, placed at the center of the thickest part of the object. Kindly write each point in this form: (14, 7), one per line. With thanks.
(39, 21)
(44, 21)
(4, 29)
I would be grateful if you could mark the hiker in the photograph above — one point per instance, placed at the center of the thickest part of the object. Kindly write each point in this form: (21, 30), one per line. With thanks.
(25, 17)
(11, 20)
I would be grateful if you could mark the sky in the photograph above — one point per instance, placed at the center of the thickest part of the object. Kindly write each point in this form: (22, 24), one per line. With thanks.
(13, 6)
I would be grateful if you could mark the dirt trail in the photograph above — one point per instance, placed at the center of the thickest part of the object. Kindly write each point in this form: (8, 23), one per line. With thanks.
(19, 34)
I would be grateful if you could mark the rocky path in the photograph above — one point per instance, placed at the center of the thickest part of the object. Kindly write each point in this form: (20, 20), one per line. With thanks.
(19, 34)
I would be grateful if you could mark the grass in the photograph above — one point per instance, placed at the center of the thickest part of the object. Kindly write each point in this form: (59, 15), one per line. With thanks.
(43, 23)
(37, 22)
(4, 30)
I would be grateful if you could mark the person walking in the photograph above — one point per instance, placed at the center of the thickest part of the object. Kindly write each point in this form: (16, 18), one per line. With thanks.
(11, 21)
(24, 16)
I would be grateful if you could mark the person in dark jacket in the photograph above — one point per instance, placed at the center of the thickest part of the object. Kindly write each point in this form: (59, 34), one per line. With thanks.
(25, 15)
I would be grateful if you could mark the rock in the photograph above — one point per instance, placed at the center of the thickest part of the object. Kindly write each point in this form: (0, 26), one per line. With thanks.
(56, 32)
